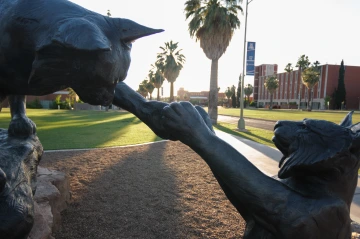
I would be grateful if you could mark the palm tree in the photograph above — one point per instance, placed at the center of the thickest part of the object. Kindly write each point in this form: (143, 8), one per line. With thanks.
(302, 63)
(288, 69)
(156, 78)
(170, 62)
(213, 23)
(248, 90)
(142, 88)
(228, 94)
(271, 84)
(150, 88)
(310, 77)
(233, 96)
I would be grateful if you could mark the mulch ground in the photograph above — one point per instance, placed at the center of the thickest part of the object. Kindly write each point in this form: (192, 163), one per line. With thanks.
(161, 190)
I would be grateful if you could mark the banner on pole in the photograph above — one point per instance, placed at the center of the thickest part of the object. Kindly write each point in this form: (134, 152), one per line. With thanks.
(250, 59)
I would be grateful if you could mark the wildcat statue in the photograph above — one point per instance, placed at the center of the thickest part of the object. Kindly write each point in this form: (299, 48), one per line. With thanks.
(46, 46)
(310, 197)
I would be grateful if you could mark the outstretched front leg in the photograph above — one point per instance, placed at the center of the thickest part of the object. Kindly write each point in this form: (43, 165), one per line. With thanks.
(20, 125)
(150, 112)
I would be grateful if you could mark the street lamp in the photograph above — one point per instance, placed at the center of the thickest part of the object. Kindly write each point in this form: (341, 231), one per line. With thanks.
(241, 122)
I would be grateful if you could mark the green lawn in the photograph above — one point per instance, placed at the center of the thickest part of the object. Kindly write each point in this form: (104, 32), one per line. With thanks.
(64, 129)
(255, 134)
(333, 116)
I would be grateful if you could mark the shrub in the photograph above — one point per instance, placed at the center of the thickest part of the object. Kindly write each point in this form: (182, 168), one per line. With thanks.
(253, 103)
(34, 104)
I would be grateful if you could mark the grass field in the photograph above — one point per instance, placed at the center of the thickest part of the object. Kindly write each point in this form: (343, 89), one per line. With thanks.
(255, 134)
(64, 129)
(333, 116)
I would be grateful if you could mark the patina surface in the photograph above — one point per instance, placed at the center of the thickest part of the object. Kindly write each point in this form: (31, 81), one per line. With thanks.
(46, 46)
(18, 167)
(316, 182)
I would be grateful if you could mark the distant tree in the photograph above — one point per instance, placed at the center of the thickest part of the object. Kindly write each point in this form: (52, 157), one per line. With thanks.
(142, 88)
(213, 22)
(271, 84)
(156, 78)
(238, 93)
(170, 61)
(233, 96)
(248, 90)
(340, 93)
(288, 69)
(150, 88)
(310, 77)
(326, 101)
(228, 94)
(108, 13)
(302, 63)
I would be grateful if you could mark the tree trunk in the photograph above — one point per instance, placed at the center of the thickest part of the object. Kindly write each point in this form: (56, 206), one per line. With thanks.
(311, 98)
(213, 94)
(171, 92)
(308, 100)
(271, 101)
(300, 81)
(158, 94)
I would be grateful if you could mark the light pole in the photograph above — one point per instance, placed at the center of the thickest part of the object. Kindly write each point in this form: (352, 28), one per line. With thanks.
(241, 122)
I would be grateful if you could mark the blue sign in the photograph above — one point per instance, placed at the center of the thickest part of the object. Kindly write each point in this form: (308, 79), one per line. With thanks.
(250, 59)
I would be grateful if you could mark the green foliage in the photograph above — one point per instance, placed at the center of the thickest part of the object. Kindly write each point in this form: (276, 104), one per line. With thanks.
(303, 62)
(340, 93)
(228, 92)
(327, 100)
(213, 23)
(233, 97)
(35, 104)
(170, 62)
(253, 104)
(288, 68)
(238, 93)
(248, 90)
(57, 100)
(271, 84)
(156, 78)
(67, 104)
(142, 88)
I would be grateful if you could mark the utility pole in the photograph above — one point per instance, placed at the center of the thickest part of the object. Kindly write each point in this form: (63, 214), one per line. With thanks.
(241, 122)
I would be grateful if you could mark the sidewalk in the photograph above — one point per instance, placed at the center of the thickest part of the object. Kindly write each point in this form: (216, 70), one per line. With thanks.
(267, 160)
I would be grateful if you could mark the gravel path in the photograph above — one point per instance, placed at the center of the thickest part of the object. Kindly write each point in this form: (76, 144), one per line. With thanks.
(161, 190)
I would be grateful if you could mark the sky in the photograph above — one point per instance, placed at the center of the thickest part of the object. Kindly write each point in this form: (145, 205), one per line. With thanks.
(324, 30)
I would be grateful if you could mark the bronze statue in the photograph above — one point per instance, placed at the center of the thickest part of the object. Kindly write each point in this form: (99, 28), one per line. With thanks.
(316, 182)
(46, 46)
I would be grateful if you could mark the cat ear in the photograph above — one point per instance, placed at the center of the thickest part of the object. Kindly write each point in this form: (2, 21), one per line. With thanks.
(347, 121)
(356, 141)
(78, 34)
(130, 30)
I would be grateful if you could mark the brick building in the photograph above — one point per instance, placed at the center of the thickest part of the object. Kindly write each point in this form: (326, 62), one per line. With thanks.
(45, 100)
(290, 87)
